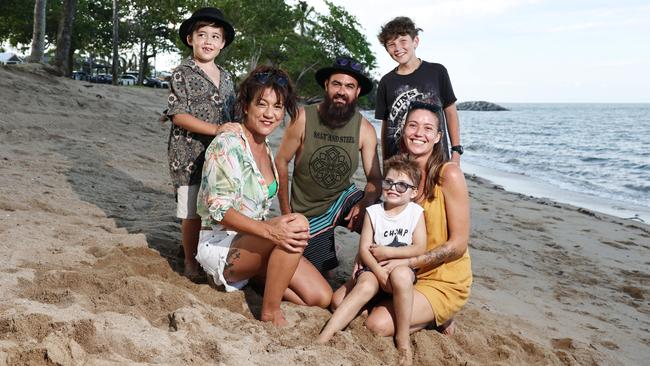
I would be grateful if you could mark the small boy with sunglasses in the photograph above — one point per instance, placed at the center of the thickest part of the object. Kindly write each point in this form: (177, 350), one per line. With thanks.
(392, 229)
(201, 100)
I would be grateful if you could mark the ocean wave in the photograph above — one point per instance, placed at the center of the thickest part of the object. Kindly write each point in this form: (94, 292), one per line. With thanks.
(643, 188)
(492, 151)
(636, 167)
(593, 159)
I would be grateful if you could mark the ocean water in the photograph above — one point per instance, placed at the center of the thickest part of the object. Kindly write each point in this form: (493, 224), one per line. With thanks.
(592, 155)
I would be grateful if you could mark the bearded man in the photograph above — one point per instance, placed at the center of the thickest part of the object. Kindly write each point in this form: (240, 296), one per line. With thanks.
(326, 141)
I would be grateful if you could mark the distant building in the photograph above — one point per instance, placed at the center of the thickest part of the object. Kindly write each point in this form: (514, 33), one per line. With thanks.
(10, 58)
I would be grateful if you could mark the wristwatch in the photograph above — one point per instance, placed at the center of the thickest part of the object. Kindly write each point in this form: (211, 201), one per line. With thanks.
(458, 148)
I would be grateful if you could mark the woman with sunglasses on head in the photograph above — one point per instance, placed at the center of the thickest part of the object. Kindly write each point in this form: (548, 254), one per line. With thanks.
(394, 228)
(238, 241)
(444, 273)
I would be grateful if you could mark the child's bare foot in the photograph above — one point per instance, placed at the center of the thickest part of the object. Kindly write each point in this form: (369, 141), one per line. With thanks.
(276, 317)
(405, 356)
(447, 328)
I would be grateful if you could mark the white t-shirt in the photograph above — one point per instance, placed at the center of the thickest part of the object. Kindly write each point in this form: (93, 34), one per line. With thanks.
(394, 230)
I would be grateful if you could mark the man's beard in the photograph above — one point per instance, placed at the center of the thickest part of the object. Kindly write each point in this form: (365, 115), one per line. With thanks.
(336, 115)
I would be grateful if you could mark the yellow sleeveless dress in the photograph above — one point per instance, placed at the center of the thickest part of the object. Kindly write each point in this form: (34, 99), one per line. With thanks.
(446, 287)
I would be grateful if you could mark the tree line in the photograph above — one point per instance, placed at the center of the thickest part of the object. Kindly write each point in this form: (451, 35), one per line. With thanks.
(295, 37)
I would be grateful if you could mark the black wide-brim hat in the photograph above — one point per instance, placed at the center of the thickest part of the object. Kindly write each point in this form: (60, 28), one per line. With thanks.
(212, 15)
(345, 65)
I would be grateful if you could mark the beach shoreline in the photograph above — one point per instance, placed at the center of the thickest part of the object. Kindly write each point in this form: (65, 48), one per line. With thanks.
(518, 183)
(92, 271)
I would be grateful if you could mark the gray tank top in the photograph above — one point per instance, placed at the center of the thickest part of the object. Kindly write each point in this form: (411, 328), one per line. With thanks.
(329, 159)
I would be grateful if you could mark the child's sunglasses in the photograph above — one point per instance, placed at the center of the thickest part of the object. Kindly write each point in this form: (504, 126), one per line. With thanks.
(400, 187)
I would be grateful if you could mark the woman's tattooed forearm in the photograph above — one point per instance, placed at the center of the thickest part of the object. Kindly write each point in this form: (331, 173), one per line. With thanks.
(436, 257)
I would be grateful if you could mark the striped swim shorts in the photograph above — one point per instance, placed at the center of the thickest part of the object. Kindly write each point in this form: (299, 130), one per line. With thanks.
(321, 250)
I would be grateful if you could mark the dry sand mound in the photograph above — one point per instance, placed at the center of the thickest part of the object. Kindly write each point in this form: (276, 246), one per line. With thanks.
(90, 259)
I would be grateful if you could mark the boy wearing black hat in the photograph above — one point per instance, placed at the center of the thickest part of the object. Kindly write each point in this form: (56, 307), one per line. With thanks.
(201, 99)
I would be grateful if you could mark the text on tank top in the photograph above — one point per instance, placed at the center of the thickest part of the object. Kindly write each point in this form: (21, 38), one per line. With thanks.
(329, 158)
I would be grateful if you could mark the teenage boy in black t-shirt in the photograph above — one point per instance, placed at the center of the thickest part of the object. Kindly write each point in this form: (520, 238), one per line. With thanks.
(412, 79)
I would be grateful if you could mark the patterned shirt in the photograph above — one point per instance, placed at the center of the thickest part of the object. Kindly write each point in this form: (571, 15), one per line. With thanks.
(193, 92)
(231, 179)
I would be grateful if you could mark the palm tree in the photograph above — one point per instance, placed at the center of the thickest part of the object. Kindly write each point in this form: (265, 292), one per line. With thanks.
(62, 58)
(38, 37)
(304, 10)
(116, 40)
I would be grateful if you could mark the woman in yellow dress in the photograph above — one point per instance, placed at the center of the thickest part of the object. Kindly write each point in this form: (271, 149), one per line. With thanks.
(444, 275)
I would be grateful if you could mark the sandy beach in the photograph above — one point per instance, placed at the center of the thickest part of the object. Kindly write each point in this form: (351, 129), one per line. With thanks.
(91, 259)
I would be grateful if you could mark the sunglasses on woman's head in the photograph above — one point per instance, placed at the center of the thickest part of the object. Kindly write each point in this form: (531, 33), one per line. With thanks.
(400, 187)
(417, 104)
(266, 77)
(343, 62)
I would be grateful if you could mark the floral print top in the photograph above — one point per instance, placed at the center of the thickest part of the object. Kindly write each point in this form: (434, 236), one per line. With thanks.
(192, 92)
(231, 179)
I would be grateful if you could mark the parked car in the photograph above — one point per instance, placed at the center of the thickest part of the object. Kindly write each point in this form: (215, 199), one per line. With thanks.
(127, 80)
(155, 83)
(164, 75)
(79, 75)
(101, 79)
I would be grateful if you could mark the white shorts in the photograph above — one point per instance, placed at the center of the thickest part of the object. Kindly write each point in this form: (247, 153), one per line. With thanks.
(186, 202)
(212, 253)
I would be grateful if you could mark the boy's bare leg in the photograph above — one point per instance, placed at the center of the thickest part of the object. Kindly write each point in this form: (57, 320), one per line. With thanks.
(401, 279)
(190, 229)
(365, 289)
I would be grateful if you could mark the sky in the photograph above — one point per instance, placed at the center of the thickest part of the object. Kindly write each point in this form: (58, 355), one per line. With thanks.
(524, 50)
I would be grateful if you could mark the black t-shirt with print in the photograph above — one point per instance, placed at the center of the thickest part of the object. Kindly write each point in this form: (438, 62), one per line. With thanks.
(429, 83)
